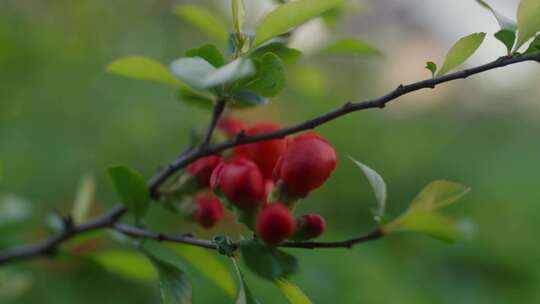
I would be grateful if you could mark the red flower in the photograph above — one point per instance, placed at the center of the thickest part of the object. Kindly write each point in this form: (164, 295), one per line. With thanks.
(231, 126)
(275, 223)
(202, 169)
(265, 153)
(241, 181)
(309, 226)
(208, 209)
(305, 165)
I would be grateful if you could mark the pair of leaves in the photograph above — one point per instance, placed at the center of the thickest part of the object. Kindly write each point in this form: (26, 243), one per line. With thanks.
(507, 34)
(131, 188)
(462, 50)
(422, 215)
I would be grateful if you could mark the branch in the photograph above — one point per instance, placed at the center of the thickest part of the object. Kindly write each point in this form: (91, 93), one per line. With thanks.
(348, 107)
(216, 115)
(50, 245)
(110, 219)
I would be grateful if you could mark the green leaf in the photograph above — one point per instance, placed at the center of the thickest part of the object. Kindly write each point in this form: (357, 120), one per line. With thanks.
(290, 15)
(528, 19)
(84, 198)
(461, 51)
(131, 187)
(286, 54)
(203, 100)
(246, 99)
(507, 37)
(173, 282)
(129, 264)
(200, 74)
(292, 292)
(422, 215)
(208, 52)
(13, 210)
(140, 67)
(270, 76)
(244, 293)
(431, 66)
(504, 22)
(439, 194)
(351, 46)
(379, 188)
(268, 262)
(431, 224)
(534, 46)
(192, 71)
(238, 15)
(205, 20)
(208, 264)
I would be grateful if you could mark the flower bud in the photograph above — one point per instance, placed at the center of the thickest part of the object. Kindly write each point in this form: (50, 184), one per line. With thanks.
(265, 153)
(208, 210)
(309, 226)
(275, 223)
(231, 126)
(241, 181)
(305, 165)
(202, 169)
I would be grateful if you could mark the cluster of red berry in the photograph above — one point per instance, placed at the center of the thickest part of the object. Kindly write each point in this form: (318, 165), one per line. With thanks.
(262, 181)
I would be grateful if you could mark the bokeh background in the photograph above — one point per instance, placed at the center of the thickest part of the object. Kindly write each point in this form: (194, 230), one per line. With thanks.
(62, 117)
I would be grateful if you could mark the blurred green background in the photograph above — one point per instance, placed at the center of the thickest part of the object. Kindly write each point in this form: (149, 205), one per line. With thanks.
(62, 116)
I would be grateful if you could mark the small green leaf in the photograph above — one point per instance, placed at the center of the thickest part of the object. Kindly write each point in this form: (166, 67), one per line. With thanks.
(13, 210)
(292, 292)
(422, 215)
(173, 282)
(504, 22)
(203, 100)
(507, 37)
(439, 194)
(528, 19)
(351, 46)
(208, 264)
(270, 76)
(461, 51)
(431, 66)
(205, 20)
(268, 262)
(200, 74)
(238, 15)
(286, 54)
(432, 224)
(131, 187)
(208, 52)
(140, 67)
(378, 185)
(534, 46)
(84, 199)
(192, 71)
(244, 293)
(290, 15)
(129, 264)
(247, 99)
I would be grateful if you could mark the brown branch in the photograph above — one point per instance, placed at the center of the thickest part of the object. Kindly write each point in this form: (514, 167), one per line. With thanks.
(110, 219)
(347, 108)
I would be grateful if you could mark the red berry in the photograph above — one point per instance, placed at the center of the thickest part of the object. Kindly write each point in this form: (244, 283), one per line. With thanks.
(310, 226)
(241, 181)
(208, 209)
(305, 165)
(202, 169)
(275, 223)
(265, 153)
(231, 126)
